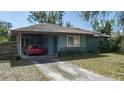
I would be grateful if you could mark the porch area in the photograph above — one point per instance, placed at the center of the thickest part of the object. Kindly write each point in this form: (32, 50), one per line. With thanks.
(45, 41)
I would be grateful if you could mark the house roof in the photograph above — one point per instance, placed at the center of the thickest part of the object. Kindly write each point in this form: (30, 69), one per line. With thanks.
(96, 34)
(51, 28)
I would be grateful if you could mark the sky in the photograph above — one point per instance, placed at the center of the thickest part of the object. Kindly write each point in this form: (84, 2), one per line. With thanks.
(19, 19)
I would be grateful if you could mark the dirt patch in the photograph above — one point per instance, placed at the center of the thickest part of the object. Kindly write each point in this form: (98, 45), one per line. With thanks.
(16, 71)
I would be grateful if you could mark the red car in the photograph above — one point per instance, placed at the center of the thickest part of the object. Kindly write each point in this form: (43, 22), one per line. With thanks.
(33, 50)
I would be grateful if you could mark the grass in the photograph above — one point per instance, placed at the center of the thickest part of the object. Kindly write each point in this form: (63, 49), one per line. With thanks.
(15, 71)
(107, 64)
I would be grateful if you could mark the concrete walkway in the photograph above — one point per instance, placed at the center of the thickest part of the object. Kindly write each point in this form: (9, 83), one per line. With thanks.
(65, 71)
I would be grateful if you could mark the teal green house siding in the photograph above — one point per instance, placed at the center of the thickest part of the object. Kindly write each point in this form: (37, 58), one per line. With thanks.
(62, 44)
(83, 41)
(50, 45)
(92, 43)
(87, 44)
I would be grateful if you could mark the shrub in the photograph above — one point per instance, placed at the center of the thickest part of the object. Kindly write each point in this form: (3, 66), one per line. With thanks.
(110, 45)
(69, 52)
(91, 51)
(122, 44)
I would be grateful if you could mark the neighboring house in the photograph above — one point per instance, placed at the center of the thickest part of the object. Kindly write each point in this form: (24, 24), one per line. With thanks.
(55, 38)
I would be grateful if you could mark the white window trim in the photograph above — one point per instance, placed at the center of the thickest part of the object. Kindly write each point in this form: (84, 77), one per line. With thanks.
(74, 40)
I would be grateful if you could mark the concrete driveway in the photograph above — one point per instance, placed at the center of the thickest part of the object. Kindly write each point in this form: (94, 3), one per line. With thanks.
(57, 70)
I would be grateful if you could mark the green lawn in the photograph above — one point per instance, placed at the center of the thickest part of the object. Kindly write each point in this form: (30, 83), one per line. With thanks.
(17, 71)
(107, 64)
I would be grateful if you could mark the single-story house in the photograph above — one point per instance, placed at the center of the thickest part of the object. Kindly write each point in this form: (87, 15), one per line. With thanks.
(54, 38)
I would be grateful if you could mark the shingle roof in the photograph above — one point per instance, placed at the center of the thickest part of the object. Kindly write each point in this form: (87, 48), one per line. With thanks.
(51, 28)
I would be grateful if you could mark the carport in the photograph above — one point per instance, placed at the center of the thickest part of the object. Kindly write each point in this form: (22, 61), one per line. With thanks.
(46, 41)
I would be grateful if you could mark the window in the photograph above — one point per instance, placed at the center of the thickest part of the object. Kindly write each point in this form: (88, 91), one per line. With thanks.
(73, 41)
(70, 41)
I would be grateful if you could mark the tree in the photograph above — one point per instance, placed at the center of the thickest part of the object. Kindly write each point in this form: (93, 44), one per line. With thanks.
(110, 44)
(103, 26)
(95, 16)
(60, 19)
(4, 28)
(107, 28)
(54, 17)
(68, 24)
(105, 22)
(121, 21)
(43, 17)
(37, 17)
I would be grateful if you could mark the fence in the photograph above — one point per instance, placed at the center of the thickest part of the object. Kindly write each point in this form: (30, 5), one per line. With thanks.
(8, 50)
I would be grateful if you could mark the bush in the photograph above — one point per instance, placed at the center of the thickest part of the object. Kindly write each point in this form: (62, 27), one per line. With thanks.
(122, 44)
(4, 38)
(110, 45)
(91, 51)
(69, 52)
